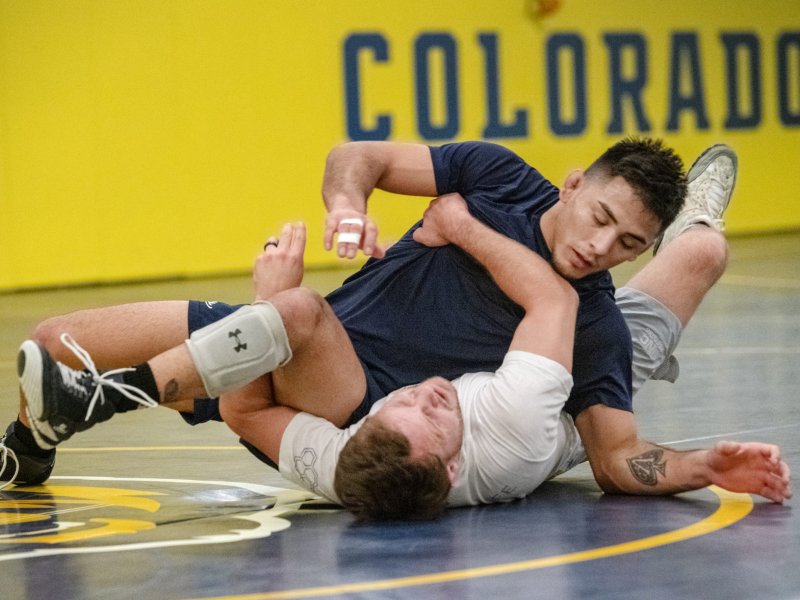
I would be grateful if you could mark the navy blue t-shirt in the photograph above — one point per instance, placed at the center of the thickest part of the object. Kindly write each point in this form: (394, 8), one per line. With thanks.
(420, 312)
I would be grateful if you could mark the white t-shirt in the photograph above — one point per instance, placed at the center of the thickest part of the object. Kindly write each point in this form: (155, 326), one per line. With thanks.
(515, 434)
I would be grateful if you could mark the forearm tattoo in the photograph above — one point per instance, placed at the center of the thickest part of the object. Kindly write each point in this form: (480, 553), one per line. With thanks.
(647, 466)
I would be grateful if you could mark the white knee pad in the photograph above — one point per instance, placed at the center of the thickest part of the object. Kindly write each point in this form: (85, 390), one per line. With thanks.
(240, 348)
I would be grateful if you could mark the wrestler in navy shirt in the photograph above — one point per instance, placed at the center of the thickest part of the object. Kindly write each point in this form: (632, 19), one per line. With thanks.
(423, 311)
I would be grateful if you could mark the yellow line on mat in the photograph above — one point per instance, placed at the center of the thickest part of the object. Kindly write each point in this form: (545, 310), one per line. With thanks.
(732, 508)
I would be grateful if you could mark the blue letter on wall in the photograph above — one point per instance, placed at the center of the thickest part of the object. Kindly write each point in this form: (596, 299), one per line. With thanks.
(422, 50)
(631, 86)
(684, 45)
(735, 43)
(353, 45)
(494, 127)
(573, 44)
(788, 42)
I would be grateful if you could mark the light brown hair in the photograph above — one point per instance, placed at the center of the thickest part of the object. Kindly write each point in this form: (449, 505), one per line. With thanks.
(377, 479)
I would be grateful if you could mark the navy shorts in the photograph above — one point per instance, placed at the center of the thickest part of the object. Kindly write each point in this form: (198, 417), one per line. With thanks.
(200, 315)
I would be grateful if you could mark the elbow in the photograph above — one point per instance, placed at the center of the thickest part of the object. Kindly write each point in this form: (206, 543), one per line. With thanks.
(608, 486)
(346, 150)
(354, 156)
(335, 153)
(604, 476)
(557, 290)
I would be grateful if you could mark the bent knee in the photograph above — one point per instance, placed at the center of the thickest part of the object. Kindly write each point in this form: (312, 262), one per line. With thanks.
(710, 248)
(48, 334)
(302, 310)
(715, 248)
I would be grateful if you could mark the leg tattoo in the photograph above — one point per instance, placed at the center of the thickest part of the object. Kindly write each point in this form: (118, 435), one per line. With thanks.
(171, 392)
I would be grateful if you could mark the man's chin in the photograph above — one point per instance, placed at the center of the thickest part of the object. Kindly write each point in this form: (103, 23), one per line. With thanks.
(567, 271)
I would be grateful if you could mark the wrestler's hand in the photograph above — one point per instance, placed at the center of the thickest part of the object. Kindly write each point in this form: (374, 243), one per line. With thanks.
(443, 220)
(355, 230)
(752, 468)
(280, 266)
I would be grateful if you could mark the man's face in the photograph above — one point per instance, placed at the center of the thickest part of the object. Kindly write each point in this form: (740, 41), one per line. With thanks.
(429, 415)
(599, 224)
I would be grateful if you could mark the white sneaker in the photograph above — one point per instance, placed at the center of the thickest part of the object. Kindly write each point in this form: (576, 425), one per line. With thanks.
(711, 181)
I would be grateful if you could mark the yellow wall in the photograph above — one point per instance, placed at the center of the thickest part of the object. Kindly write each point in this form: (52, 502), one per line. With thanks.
(150, 138)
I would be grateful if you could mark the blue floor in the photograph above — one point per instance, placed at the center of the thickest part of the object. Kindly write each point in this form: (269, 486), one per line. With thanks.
(145, 507)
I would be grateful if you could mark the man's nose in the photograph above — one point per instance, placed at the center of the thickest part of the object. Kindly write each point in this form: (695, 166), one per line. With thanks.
(427, 394)
(602, 242)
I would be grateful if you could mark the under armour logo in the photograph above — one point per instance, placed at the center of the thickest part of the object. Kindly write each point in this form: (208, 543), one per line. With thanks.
(239, 345)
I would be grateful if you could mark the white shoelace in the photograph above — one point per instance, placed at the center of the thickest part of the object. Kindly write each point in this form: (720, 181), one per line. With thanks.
(715, 194)
(5, 454)
(129, 391)
(717, 191)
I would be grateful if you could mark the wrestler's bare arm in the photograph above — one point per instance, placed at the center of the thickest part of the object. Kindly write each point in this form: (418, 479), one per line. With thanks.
(550, 303)
(353, 171)
(624, 463)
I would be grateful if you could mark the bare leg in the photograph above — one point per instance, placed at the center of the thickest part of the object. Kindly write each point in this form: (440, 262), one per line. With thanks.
(681, 274)
(177, 379)
(324, 376)
(115, 336)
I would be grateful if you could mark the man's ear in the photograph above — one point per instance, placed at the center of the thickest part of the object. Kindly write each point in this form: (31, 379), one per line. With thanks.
(571, 185)
(452, 470)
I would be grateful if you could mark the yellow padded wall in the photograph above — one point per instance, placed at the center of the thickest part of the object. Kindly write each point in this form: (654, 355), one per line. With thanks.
(154, 138)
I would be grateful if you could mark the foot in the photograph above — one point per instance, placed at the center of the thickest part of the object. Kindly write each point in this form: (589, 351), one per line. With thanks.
(711, 181)
(62, 401)
(19, 464)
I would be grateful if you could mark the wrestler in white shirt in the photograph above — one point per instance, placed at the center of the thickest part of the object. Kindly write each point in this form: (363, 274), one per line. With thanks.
(515, 435)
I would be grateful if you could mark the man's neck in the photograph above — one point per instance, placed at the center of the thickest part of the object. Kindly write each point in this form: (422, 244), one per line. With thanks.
(547, 224)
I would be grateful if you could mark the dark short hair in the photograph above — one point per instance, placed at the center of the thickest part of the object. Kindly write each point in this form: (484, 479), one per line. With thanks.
(652, 169)
(376, 478)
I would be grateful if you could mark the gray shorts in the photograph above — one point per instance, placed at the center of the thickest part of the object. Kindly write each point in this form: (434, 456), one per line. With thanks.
(655, 331)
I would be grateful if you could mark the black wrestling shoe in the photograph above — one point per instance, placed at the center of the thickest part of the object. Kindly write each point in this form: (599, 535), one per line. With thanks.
(18, 465)
(62, 401)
